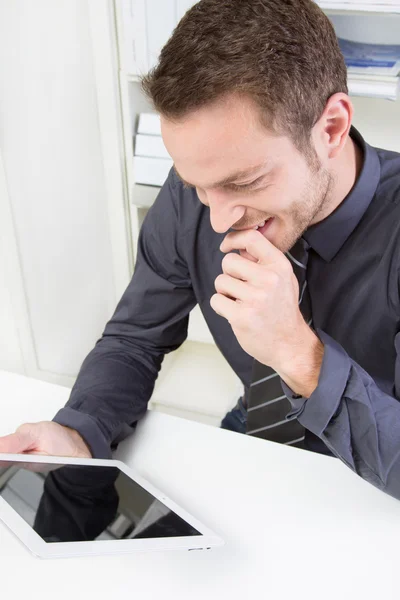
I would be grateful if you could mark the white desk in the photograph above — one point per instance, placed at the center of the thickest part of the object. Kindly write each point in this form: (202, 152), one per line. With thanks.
(297, 525)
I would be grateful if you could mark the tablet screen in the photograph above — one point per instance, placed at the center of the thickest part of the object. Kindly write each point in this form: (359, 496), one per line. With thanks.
(76, 503)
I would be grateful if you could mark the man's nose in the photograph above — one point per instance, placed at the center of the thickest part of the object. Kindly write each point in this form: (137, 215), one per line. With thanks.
(223, 213)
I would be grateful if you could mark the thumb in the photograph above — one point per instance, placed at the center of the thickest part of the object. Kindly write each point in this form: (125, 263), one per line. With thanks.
(16, 443)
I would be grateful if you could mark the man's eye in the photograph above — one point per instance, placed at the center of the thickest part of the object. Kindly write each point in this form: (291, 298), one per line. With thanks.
(246, 186)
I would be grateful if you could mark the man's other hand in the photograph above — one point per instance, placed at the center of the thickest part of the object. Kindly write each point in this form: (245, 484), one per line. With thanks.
(46, 438)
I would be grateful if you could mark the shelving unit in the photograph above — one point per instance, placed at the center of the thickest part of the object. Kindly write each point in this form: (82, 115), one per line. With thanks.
(182, 388)
(378, 22)
(178, 389)
(365, 25)
(376, 88)
(361, 7)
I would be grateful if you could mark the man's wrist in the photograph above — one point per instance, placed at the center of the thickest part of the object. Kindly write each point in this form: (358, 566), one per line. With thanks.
(302, 366)
(83, 449)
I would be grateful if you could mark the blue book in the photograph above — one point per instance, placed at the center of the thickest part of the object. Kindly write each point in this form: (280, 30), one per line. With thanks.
(372, 59)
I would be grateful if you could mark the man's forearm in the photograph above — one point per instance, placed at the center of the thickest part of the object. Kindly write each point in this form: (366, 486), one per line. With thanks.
(110, 395)
(302, 367)
(354, 417)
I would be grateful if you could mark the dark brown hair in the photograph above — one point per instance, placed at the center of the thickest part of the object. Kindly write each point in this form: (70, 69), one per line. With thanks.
(283, 54)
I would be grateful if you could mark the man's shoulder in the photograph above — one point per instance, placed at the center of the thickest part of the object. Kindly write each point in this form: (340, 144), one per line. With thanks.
(176, 210)
(186, 203)
(387, 196)
(390, 168)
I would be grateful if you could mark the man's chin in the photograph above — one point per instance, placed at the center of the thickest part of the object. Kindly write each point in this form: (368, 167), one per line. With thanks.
(285, 242)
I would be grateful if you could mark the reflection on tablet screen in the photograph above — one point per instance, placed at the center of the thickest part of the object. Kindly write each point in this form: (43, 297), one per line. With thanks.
(74, 503)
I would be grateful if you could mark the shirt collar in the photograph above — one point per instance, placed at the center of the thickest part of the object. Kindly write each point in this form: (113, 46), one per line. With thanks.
(328, 236)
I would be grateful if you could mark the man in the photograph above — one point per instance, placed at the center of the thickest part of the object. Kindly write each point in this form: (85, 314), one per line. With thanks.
(256, 116)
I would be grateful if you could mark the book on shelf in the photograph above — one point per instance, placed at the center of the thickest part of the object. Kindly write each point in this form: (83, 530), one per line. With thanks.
(371, 59)
(360, 3)
(374, 87)
(375, 78)
(150, 145)
(132, 36)
(151, 161)
(151, 171)
(149, 124)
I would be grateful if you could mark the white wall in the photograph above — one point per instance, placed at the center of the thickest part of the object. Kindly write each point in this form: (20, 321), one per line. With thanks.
(57, 283)
(10, 354)
(51, 148)
(10, 350)
(378, 121)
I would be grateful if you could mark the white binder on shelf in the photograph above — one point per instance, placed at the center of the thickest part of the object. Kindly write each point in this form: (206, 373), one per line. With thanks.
(361, 5)
(146, 27)
(150, 145)
(149, 124)
(374, 86)
(161, 21)
(151, 171)
(134, 55)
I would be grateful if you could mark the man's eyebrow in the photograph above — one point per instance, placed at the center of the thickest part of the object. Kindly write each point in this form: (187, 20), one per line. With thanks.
(237, 176)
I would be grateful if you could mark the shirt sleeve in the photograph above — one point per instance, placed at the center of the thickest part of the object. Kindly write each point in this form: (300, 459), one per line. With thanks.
(356, 420)
(117, 378)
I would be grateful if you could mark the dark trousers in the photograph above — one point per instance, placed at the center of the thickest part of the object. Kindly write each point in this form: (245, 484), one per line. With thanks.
(236, 419)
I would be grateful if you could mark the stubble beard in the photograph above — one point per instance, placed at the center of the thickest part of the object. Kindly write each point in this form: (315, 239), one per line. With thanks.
(304, 211)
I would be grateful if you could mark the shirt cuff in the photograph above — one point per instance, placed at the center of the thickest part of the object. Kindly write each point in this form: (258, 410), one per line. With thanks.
(315, 412)
(87, 427)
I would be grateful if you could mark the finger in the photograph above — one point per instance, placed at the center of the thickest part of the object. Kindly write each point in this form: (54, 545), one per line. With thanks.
(233, 288)
(237, 266)
(248, 256)
(254, 243)
(16, 443)
(224, 307)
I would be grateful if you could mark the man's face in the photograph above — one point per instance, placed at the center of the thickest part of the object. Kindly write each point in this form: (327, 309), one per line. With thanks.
(245, 174)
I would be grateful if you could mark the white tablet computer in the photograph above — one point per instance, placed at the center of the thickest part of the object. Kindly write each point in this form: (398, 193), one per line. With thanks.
(61, 507)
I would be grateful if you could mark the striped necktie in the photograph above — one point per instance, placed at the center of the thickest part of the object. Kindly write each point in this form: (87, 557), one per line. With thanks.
(267, 406)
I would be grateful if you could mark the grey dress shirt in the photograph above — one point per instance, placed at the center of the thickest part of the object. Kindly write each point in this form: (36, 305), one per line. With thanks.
(353, 278)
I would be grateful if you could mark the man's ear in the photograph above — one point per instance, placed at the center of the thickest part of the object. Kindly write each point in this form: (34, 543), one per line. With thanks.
(332, 128)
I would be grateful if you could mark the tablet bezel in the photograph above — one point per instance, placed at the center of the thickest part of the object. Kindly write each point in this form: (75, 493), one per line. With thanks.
(208, 539)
